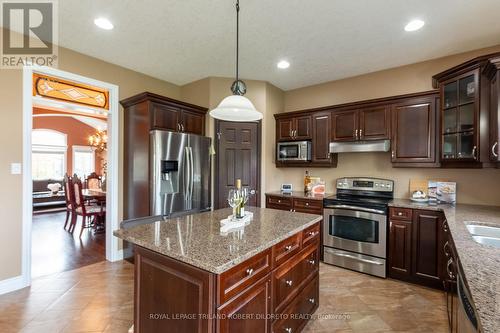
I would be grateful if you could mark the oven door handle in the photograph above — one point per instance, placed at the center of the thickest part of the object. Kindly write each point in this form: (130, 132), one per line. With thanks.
(355, 258)
(361, 209)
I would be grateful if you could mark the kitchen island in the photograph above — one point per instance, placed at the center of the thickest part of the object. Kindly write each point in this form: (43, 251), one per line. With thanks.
(190, 277)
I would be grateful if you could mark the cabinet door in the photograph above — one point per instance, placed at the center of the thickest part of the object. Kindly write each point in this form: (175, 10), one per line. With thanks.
(165, 117)
(345, 125)
(302, 127)
(494, 150)
(374, 123)
(321, 137)
(192, 122)
(400, 249)
(249, 312)
(284, 129)
(427, 249)
(414, 131)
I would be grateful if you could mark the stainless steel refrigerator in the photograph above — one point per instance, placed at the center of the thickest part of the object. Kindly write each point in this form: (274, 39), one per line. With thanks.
(180, 173)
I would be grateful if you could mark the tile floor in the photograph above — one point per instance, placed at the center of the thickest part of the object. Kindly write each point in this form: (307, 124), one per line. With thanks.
(99, 298)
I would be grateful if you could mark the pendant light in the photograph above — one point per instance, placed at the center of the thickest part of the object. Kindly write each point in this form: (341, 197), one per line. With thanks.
(236, 107)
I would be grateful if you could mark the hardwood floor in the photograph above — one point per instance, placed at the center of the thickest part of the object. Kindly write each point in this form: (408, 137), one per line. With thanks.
(55, 250)
(99, 298)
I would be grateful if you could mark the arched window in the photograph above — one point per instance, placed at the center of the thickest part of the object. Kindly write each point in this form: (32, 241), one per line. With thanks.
(48, 158)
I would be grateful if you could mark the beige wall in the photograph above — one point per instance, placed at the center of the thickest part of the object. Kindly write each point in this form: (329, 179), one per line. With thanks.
(11, 129)
(474, 186)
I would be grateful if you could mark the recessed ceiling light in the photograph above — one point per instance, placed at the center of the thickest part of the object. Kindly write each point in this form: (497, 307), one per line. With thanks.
(103, 23)
(283, 64)
(414, 25)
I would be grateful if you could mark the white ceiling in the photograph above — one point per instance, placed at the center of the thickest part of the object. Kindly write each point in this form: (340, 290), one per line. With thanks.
(184, 40)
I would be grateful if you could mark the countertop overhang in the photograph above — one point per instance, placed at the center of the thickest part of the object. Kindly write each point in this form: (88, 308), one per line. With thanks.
(196, 239)
(480, 263)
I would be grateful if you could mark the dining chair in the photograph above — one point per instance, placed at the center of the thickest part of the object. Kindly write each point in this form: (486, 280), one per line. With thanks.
(68, 194)
(86, 211)
(93, 181)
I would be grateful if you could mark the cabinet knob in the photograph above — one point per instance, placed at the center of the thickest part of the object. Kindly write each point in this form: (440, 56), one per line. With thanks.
(311, 261)
(288, 247)
(312, 233)
(311, 300)
(307, 203)
(400, 214)
(279, 201)
(288, 330)
(289, 283)
(249, 271)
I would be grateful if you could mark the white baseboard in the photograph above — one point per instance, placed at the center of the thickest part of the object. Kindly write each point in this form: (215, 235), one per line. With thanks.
(12, 284)
(118, 256)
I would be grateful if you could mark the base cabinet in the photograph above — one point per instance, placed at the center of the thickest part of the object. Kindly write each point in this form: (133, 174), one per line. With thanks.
(274, 291)
(415, 246)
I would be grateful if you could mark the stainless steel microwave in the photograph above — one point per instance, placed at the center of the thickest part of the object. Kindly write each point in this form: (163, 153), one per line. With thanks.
(294, 151)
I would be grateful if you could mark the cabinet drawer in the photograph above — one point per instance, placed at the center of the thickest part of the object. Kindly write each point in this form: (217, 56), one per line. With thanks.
(290, 277)
(279, 203)
(238, 278)
(284, 250)
(295, 315)
(397, 213)
(316, 205)
(310, 235)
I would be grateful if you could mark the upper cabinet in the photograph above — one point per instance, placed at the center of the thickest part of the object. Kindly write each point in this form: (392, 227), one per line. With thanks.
(492, 71)
(367, 123)
(414, 137)
(321, 133)
(294, 128)
(466, 94)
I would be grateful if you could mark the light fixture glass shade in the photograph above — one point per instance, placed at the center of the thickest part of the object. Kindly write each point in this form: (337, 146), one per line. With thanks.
(236, 108)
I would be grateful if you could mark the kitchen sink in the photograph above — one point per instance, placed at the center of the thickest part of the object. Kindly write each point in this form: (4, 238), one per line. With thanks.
(485, 235)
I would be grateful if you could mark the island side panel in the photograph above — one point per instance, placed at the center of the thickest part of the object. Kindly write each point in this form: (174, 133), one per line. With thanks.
(166, 291)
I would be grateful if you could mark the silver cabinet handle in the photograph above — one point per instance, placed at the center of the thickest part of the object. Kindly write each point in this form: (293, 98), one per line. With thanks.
(288, 330)
(474, 152)
(307, 203)
(445, 249)
(445, 226)
(289, 283)
(295, 134)
(356, 134)
(360, 133)
(311, 300)
(279, 201)
(493, 149)
(288, 248)
(311, 261)
(311, 233)
(290, 133)
(451, 274)
(393, 154)
(400, 214)
(249, 271)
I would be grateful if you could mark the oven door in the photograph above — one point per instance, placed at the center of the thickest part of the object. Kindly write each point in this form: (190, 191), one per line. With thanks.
(356, 229)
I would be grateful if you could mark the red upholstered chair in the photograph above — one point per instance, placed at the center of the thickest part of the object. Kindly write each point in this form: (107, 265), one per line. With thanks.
(86, 211)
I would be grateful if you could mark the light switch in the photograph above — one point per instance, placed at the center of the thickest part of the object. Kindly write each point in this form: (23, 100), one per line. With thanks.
(15, 168)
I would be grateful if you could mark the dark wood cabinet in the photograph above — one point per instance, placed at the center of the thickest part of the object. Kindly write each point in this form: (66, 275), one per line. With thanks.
(375, 123)
(466, 93)
(366, 123)
(345, 125)
(248, 312)
(321, 134)
(416, 241)
(292, 128)
(414, 133)
(400, 236)
(143, 113)
(493, 73)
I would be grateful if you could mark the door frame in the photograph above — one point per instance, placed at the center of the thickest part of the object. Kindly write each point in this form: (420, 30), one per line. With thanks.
(112, 251)
(217, 123)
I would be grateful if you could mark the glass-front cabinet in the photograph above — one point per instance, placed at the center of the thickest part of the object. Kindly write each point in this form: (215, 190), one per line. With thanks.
(459, 105)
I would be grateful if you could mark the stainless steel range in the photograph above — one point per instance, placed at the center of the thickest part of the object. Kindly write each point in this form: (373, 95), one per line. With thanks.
(355, 224)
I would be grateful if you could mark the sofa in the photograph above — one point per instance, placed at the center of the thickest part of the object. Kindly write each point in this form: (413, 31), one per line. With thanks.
(43, 198)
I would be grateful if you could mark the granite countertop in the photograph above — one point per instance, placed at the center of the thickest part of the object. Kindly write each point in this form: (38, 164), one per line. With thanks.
(480, 263)
(196, 239)
(300, 194)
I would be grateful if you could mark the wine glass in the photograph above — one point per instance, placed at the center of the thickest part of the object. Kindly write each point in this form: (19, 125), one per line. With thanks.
(233, 199)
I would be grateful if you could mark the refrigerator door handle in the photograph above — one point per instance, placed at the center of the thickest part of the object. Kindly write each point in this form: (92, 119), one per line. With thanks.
(191, 177)
(188, 174)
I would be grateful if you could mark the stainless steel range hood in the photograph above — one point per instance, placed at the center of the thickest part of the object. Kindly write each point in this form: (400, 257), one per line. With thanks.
(360, 146)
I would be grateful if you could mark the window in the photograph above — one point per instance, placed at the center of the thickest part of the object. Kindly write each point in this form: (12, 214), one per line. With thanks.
(83, 161)
(48, 159)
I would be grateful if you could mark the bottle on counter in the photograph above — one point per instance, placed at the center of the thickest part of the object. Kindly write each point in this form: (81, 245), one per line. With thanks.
(307, 181)
(240, 209)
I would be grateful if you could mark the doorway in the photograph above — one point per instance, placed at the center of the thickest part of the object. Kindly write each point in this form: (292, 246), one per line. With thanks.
(80, 155)
(238, 156)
